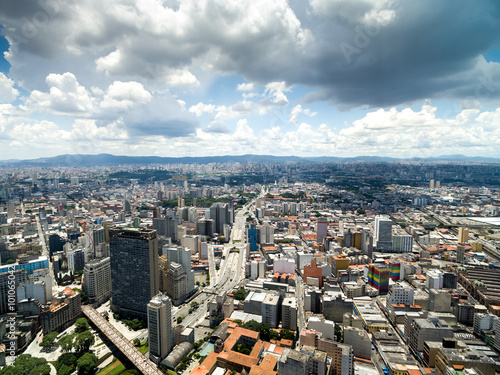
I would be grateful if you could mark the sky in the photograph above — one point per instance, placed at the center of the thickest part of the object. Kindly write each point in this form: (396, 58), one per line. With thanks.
(395, 78)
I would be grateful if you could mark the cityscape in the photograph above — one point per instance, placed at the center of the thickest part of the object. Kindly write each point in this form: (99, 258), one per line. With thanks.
(251, 268)
(252, 187)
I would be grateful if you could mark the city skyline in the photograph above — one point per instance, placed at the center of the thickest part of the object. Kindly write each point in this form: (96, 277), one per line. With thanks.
(323, 78)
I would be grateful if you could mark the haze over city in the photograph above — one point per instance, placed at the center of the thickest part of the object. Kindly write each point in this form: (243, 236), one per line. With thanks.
(200, 78)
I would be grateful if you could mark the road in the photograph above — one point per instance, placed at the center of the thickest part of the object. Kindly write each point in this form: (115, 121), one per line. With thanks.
(46, 252)
(301, 323)
(231, 272)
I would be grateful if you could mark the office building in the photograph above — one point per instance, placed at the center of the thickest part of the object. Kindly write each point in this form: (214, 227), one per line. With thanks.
(463, 235)
(176, 281)
(134, 270)
(439, 300)
(270, 310)
(76, 259)
(402, 242)
(182, 256)
(289, 313)
(321, 229)
(219, 212)
(98, 237)
(431, 329)
(20, 276)
(266, 234)
(383, 234)
(434, 279)
(339, 263)
(401, 295)
(160, 331)
(97, 280)
(293, 362)
(450, 280)
(252, 238)
(33, 289)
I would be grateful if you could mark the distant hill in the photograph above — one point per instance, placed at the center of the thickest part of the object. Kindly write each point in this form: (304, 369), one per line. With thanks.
(108, 159)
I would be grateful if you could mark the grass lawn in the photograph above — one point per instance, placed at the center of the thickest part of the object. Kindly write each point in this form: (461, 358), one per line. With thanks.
(114, 368)
(144, 347)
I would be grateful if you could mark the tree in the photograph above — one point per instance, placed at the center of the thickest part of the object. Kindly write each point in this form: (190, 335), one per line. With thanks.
(25, 364)
(137, 342)
(81, 325)
(194, 305)
(179, 320)
(338, 332)
(217, 267)
(84, 341)
(287, 335)
(66, 343)
(66, 364)
(239, 295)
(87, 364)
(273, 335)
(48, 340)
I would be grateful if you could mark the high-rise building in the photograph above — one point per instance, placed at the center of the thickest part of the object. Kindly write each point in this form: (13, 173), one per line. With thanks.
(134, 270)
(266, 234)
(76, 259)
(460, 253)
(289, 313)
(220, 213)
(402, 243)
(98, 237)
(463, 235)
(160, 331)
(97, 280)
(182, 256)
(378, 277)
(55, 244)
(20, 276)
(175, 283)
(383, 234)
(11, 209)
(252, 238)
(321, 229)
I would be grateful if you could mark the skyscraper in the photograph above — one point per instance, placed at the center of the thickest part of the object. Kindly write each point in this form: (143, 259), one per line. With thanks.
(160, 331)
(383, 234)
(134, 270)
(97, 280)
(182, 256)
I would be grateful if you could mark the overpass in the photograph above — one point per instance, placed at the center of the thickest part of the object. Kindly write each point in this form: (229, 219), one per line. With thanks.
(128, 349)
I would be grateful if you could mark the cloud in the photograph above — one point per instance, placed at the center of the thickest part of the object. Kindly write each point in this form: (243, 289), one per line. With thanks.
(353, 53)
(245, 87)
(65, 96)
(297, 110)
(125, 95)
(7, 91)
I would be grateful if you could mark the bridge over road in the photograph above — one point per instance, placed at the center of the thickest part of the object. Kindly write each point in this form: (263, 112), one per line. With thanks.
(140, 361)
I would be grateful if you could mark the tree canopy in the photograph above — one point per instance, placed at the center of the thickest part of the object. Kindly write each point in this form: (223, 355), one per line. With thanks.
(25, 364)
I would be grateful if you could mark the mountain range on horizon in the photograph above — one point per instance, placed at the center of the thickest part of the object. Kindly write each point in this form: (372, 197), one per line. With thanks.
(109, 159)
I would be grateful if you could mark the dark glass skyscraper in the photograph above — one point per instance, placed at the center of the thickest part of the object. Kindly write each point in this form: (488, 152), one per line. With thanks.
(134, 270)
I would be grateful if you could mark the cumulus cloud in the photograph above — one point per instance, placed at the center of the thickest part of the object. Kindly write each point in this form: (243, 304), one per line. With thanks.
(65, 96)
(7, 91)
(297, 110)
(125, 95)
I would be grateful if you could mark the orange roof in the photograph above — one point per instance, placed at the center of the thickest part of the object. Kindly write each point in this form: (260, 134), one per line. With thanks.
(207, 365)
(237, 358)
(68, 291)
(268, 363)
